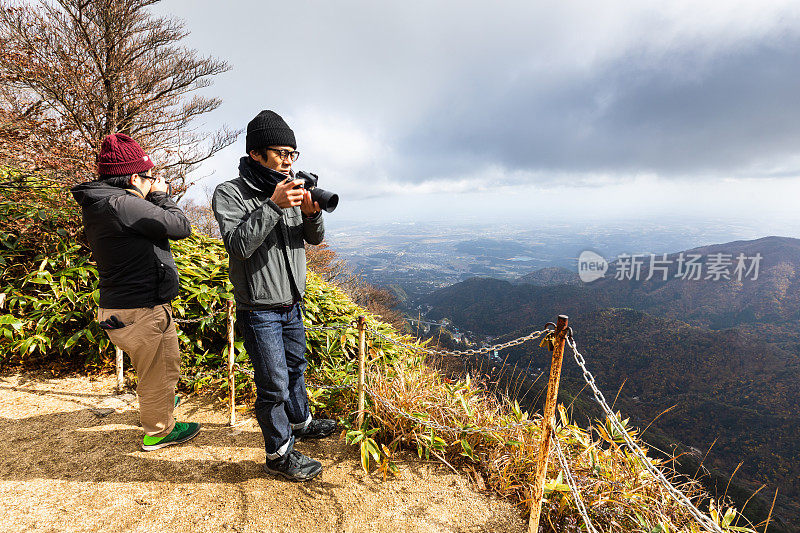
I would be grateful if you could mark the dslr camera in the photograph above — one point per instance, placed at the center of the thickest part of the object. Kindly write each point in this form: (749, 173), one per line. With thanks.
(326, 199)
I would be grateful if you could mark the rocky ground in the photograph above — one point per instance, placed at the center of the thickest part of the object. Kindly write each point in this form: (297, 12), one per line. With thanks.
(71, 462)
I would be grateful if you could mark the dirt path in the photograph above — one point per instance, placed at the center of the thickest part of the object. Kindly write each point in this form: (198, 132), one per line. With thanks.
(70, 462)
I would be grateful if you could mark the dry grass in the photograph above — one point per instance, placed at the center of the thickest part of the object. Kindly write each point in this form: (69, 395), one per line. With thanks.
(617, 490)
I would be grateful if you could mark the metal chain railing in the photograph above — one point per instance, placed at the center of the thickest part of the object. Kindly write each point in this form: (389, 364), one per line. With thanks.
(337, 327)
(244, 370)
(703, 519)
(198, 319)
(221, 311)
(417, 420)
(250, 373)
(573, 486)
(460, 353)
(676, 494)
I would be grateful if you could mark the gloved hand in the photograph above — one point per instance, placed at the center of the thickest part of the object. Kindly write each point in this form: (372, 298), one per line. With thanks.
(112, 322)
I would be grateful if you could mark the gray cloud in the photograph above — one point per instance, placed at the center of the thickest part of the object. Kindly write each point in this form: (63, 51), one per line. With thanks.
(736, 114)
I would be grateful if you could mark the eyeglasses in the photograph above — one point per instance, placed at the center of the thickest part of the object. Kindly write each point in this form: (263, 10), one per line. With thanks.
(153, 174)
(284, 154)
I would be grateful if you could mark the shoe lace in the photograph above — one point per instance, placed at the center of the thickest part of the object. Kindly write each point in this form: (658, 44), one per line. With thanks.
(295, 458)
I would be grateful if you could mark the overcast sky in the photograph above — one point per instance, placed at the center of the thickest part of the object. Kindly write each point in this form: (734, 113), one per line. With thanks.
(527, 108)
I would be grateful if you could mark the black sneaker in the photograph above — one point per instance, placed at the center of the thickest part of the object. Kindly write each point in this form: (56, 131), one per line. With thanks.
(294, 466)
(318, 428)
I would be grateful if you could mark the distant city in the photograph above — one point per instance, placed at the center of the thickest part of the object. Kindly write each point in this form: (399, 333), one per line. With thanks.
(416, 258)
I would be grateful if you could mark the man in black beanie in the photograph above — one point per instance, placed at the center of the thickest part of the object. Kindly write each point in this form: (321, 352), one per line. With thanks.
(264, 221)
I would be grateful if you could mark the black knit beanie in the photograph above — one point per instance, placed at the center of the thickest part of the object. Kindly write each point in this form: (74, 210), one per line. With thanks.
(268, 129)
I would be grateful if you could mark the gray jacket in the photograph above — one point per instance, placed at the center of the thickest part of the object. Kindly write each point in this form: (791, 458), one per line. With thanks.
(265, 245)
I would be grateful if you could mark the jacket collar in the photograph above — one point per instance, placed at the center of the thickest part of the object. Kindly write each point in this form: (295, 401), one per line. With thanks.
(258, 177)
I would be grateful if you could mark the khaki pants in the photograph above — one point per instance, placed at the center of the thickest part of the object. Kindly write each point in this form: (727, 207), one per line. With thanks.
(149, 338)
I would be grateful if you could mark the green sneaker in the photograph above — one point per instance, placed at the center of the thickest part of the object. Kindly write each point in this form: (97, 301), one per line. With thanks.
(182, 432)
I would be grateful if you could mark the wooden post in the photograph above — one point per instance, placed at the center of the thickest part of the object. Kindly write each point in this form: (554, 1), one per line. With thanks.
(120, 376)
(547, 428)
(362, 349)
(231, 361)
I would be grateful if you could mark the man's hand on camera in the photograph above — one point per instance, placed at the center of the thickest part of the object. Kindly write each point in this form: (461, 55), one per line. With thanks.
(160, 185)
(308, 206)
(286, 195)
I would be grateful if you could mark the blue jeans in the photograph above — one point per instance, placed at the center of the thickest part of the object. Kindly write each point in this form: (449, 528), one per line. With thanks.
(275, 340)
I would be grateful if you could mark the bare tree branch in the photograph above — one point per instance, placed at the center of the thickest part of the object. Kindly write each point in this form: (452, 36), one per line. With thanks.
(73, 71)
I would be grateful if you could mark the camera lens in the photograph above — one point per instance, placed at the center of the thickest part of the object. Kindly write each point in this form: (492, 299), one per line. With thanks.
(326, 199)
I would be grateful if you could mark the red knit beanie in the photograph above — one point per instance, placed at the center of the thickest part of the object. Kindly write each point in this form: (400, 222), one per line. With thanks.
(120, 155)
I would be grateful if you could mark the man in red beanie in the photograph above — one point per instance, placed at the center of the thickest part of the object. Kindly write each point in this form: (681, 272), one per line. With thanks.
(128, 219)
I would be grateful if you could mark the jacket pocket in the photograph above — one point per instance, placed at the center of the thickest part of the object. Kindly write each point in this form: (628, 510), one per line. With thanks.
(258, 268)
(294, 231)
(167, 283)
(167, 276)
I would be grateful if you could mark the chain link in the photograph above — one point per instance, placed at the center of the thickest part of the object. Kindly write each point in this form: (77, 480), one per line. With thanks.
(195, 320)
(460, 353)
(573, 486)
(250, 373)
(391, 408)
(337, 327)
(680, 497)
(331, 387)
(244, 370)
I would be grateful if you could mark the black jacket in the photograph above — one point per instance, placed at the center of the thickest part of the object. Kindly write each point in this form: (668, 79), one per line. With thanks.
(129, 238)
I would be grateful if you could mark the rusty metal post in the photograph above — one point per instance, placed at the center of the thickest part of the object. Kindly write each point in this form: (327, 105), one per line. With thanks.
(362, 349)
(547, 428)
(231, 361)
(120, 376)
